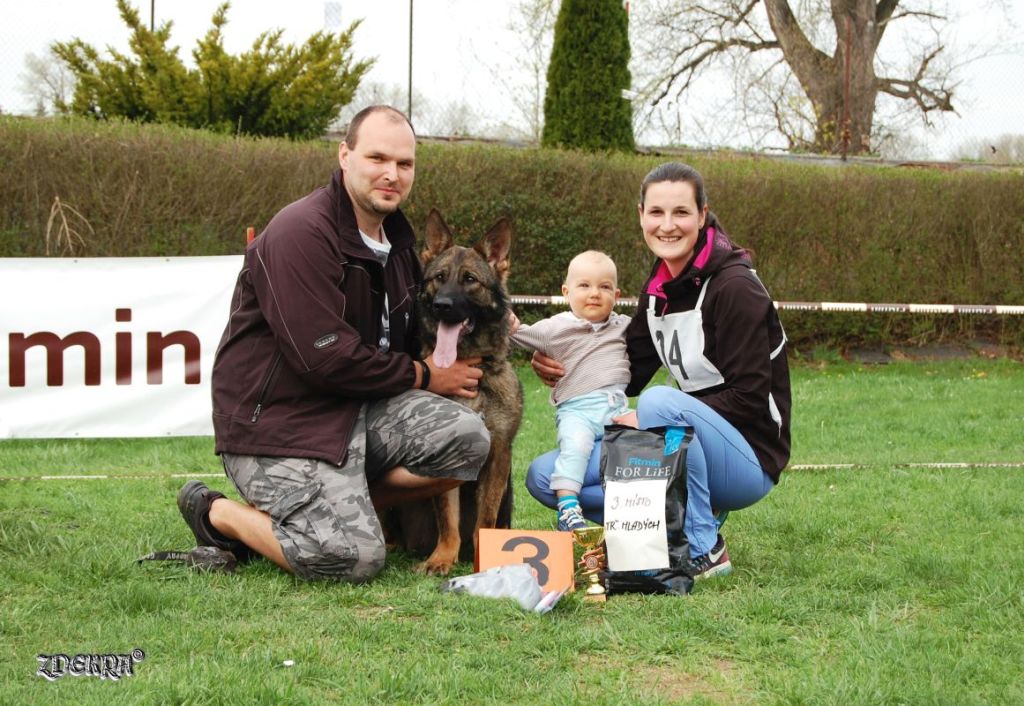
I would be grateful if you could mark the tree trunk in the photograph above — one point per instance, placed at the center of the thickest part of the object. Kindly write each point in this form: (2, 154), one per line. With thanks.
(841, 87)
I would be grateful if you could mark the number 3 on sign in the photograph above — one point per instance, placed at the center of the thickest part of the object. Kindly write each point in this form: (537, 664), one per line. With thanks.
(549, 554)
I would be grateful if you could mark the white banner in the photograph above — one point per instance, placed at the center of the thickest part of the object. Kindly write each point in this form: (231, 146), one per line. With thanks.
(110, 347)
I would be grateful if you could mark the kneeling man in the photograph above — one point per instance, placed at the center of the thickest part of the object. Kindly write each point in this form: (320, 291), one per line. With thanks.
(323, 412)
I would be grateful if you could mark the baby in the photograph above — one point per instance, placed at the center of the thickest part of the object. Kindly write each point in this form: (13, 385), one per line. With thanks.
(590, 343)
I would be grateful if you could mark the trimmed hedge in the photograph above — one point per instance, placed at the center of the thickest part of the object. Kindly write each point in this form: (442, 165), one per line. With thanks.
(851, 233)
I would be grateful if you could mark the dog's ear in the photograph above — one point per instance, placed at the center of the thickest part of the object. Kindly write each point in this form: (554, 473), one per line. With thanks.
(438, 237)
(495, 246)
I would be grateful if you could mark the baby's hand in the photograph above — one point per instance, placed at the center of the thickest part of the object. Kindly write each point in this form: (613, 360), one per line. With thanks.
(513, 322)
(628, 419)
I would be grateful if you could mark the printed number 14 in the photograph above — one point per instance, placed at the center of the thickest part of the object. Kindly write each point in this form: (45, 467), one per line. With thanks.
(675, 354)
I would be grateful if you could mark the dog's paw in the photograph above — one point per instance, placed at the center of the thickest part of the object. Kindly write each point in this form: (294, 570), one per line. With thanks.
(436, 566)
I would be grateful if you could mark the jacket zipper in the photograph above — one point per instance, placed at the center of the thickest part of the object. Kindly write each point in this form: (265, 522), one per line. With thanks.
(265, 387)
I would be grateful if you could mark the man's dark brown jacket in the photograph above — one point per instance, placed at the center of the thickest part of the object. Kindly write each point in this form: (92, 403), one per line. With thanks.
(301, 353)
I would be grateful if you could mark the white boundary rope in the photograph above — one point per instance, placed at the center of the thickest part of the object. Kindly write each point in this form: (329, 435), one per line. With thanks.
(114, 476)
(861, 307)
(795, 467)
(930, 464)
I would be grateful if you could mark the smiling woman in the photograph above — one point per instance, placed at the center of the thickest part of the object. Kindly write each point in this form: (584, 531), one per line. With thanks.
(705, 316)
(672, 214)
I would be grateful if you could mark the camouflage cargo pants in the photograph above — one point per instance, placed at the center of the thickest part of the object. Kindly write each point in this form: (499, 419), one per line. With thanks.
(322, 514)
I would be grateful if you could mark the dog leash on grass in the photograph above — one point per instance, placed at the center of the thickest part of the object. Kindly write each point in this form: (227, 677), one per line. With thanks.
(199, 558)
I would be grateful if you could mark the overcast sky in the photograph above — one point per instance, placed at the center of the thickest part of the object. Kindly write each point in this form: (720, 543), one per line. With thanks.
(458, 46)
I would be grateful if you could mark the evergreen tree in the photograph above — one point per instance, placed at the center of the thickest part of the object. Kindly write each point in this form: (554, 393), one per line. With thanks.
(274, 89)
(589, 69)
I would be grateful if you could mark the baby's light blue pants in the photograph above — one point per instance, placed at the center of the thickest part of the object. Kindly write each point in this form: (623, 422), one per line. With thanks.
(722, 470)
(581, 421)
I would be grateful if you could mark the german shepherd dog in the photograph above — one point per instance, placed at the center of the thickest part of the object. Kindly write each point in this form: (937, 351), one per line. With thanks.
(463, 311)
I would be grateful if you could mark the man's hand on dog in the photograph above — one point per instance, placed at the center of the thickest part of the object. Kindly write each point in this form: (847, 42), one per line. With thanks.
(549, 370)
(460, 380)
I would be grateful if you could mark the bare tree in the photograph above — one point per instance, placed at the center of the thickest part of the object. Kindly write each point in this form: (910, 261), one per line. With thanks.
(1005, 149)
(534, 22)
(47, 82)
(375, 93)
(809, 69)
(431, 117)
(523, 78)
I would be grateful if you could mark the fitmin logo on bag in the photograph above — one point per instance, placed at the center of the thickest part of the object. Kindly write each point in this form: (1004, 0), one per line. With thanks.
(638, 467)
(93, 349)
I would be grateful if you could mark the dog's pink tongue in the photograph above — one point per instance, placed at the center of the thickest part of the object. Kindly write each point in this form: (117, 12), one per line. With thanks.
(445, 351)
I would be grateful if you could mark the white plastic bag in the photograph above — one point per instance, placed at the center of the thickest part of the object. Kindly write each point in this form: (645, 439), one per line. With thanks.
(512, 581)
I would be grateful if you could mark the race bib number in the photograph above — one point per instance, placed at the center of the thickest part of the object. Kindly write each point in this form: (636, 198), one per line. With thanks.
(672, 357)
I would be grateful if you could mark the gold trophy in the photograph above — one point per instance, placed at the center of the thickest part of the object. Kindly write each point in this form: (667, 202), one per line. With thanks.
(593, 560)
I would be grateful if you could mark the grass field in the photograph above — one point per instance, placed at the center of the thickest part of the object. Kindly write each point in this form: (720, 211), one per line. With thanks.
(885, 583)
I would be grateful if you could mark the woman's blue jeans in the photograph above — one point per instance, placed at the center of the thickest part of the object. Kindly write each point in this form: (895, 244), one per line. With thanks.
(722, 471)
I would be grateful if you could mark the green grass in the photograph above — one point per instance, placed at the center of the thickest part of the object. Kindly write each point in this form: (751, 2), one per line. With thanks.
(956, 411)
(880, 584)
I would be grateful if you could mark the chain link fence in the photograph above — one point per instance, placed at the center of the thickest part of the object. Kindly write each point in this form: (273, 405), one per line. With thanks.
(469, 79)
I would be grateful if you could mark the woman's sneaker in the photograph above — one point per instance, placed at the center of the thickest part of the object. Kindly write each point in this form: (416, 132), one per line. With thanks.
(571, 518)
(714, 563)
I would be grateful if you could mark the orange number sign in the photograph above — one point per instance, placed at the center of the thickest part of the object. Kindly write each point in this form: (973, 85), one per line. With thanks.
(549, 554)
